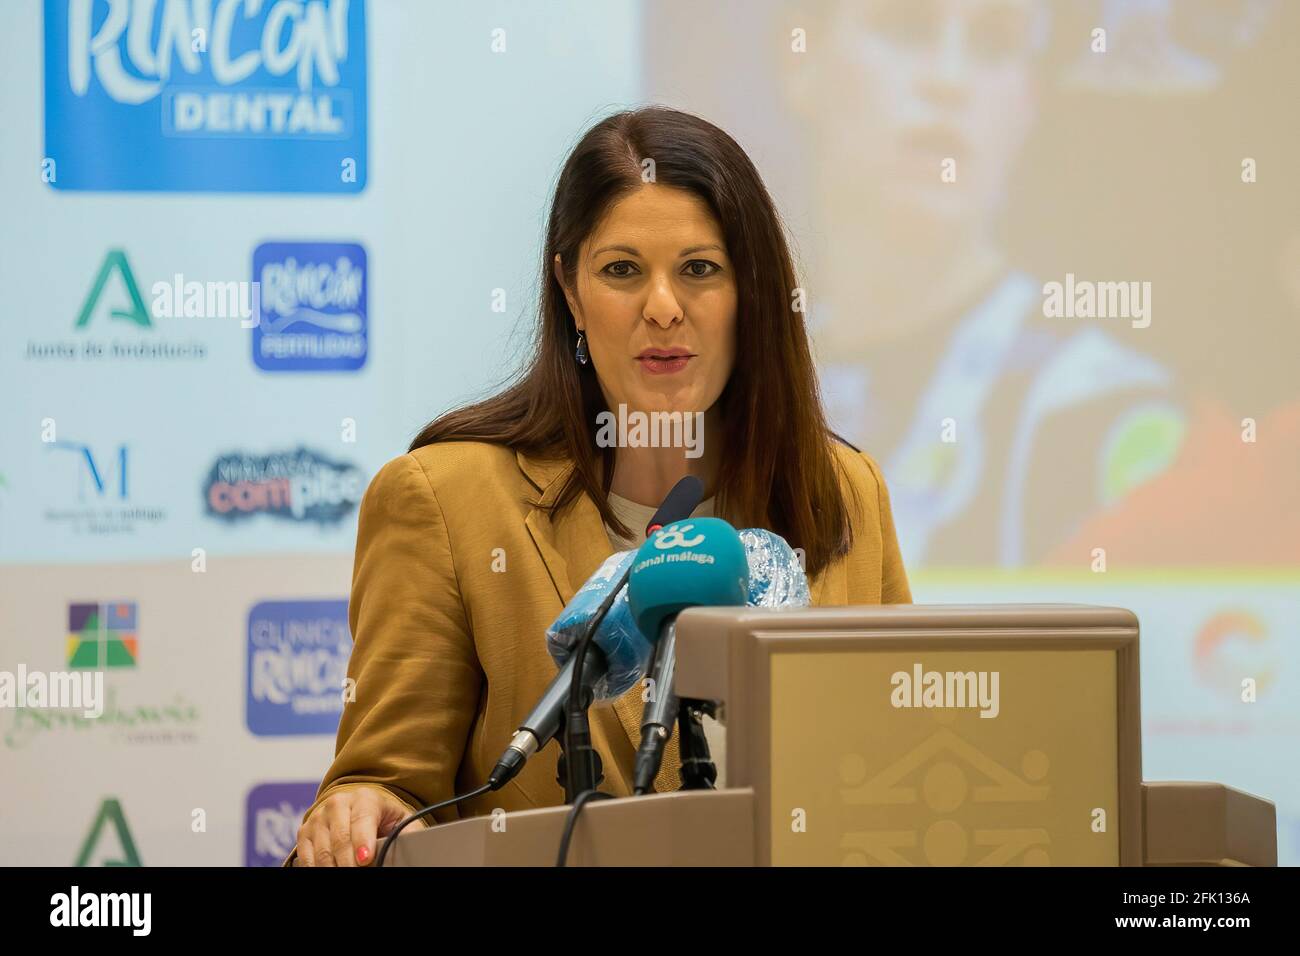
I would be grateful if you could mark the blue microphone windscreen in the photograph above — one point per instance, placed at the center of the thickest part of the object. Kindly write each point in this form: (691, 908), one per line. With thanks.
(698, 562)
(617, 636)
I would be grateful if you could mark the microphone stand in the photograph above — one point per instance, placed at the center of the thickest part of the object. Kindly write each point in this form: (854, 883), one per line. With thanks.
(698, 771)
(585, 771)
(579, 768)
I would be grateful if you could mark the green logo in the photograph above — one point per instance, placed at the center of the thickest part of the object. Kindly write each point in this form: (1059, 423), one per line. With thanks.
(110, 811)
(115, 260)
(175, 721)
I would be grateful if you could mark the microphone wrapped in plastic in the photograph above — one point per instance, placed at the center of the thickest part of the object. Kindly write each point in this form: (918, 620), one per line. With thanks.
(625, 648)
(776, 579)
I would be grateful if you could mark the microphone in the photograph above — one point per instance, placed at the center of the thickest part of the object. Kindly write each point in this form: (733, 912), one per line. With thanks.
(684, 498)
(776, 575)
(621, 649)
(617, 641)
(624, 648)
(700, 562)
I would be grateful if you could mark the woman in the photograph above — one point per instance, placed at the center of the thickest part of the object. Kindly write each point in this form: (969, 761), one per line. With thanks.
(668, 288)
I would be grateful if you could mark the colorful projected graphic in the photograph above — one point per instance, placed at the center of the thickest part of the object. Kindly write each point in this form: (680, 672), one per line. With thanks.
(102, 635)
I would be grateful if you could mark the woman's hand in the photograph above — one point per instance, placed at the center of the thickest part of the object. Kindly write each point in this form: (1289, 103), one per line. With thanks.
(344, 828)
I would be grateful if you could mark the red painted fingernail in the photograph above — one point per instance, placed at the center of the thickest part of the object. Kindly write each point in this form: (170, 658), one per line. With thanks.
(363, 854)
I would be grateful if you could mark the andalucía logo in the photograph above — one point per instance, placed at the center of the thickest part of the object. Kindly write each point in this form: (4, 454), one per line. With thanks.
(313, 307)
(297, 662)
(195, 95)
(109, 841)
(114, 323)
(298, 485)
(272, 815)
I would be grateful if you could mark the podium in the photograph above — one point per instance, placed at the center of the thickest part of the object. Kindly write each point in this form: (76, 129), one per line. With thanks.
(902, 735)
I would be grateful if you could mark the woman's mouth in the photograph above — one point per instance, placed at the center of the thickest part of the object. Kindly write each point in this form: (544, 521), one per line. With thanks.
(664, 361)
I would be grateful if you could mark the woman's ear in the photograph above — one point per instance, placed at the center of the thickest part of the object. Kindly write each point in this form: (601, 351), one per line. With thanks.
(557, 267)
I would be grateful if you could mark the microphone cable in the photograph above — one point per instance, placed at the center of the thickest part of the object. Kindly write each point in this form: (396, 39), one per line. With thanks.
(571, 821)
(388, 840)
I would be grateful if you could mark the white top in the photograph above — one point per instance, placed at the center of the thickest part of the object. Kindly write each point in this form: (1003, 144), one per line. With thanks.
(636, 517)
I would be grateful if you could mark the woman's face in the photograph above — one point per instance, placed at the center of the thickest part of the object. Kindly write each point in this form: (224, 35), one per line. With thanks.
(656, 297)
(926, 81)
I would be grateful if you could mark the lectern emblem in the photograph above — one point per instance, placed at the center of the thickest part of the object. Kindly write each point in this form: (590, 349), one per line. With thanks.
(946, 777)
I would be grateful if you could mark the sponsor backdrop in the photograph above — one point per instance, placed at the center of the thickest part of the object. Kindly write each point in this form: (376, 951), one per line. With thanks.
(248, 248)
(178, 482)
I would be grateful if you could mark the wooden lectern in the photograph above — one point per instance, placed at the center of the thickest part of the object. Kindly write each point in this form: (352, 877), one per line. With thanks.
(903, 735)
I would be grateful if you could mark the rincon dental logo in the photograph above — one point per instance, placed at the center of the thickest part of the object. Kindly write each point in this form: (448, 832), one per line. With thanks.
(190, 96)
(133, 910)
(943, 689)
(56, 690)
(636, 429)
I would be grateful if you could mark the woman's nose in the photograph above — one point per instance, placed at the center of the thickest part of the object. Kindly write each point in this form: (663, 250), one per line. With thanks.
(662, 307)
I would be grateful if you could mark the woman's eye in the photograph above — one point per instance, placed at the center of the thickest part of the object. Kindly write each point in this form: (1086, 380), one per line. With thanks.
(620, 269)
(700, 268)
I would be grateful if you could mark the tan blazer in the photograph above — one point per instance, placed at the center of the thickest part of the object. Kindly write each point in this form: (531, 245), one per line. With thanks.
(458, 573)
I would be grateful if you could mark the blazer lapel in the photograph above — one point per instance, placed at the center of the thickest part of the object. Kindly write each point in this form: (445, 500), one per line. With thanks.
(572, 545)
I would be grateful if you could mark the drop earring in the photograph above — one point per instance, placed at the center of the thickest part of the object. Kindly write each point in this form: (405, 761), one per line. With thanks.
(581, 354)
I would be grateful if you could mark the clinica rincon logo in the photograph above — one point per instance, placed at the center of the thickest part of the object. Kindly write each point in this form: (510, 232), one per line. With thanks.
(297, 664)
(272, 814)
(198, 95)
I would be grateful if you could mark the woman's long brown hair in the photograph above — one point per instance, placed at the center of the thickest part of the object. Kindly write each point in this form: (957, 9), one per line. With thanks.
(777, 467)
